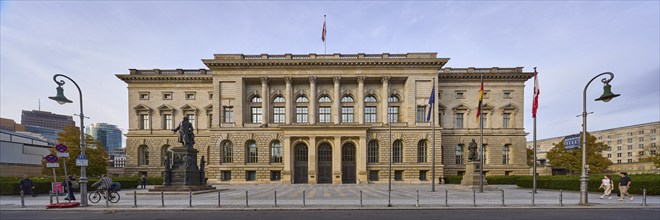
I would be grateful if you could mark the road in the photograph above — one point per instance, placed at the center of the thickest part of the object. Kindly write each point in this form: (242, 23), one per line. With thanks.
(467, 214)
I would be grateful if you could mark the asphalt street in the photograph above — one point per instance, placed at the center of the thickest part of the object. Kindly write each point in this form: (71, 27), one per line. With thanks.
(467, 214)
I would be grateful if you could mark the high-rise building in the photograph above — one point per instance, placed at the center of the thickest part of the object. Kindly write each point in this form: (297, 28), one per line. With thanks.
(46, 123)
(327, 118)
(109, 135)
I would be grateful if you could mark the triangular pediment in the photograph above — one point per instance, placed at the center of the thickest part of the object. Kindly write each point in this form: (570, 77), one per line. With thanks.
(188, 107)
(209, 107)
(165, 107)
(141, 107)
(461, 106)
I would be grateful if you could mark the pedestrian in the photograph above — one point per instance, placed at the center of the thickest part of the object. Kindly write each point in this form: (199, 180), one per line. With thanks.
(70, 187)
(607, 185)
(624, 186)
(26, 186)
(143, 181)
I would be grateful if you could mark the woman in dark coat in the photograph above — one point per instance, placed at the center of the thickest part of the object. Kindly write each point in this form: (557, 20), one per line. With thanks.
(69, 188)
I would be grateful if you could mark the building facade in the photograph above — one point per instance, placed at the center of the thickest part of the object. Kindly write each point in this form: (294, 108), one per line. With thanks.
(331, 118)
(625, 144)
(46, 123)
(107, 134)
(21, 153)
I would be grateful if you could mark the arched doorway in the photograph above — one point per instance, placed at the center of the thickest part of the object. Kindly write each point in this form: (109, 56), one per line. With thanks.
(324, 163)
(300, 163)
(348, 163)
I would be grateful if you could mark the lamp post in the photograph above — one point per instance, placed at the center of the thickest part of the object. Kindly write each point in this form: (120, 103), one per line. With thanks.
(61, 99)
(606, 97)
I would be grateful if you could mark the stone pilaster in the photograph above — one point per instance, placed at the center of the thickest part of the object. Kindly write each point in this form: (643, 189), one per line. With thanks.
(384, 94)
(312, 100)
(336, 109)
(288, 95)
(360, 100)
(265, 100)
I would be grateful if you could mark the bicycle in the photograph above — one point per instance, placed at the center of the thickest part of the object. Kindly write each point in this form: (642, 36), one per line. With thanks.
(95, 196)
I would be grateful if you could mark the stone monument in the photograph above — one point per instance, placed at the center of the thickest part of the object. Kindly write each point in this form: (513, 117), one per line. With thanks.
(471, 178)
(181, 172)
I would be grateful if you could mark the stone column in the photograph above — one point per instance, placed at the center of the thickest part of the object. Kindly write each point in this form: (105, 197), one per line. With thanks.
(360, 100)
(288, 95)
(312, 100)
(336, 160)
(311, 167)
(217, 105)
(361, 161)
(287, 159)
(336, 104)
(265, 100)
(385, 94)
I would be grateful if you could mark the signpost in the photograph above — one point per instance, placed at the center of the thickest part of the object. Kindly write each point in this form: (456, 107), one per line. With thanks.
(52, 163)
(61, 148)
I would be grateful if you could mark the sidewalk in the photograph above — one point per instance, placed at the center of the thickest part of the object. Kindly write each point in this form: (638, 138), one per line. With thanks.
(319, 196)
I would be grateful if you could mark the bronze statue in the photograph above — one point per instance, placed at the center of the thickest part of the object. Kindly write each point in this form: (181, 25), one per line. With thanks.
(166, 162)
(186, 135)
(472, 147)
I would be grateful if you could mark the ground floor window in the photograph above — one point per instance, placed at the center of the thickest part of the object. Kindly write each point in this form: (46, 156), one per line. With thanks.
(508, 173)
(250, 175)
(226, 175)
(398, 175)
(373, 175)
(275, 175)
(422, 175)
(461, 173)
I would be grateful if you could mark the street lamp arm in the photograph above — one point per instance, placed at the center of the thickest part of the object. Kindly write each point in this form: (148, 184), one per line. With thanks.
(604, 80)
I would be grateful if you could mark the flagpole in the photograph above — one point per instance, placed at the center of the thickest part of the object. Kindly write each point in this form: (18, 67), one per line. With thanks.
(534, 166)
(433, 137)
(389, 126)
(481, 134)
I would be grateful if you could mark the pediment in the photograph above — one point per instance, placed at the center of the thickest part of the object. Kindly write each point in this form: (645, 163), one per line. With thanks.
(141, 107)
(165, 107)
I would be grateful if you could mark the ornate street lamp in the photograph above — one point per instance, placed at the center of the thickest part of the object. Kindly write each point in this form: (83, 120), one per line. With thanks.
(61, 99)
(606, 97)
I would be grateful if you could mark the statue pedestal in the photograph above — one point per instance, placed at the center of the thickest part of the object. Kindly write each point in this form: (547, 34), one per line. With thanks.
(184, 174)
(472, 177)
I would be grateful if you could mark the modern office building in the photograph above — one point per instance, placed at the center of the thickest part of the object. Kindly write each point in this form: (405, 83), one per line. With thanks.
(327, 118)
(46, 123)
(109, 135)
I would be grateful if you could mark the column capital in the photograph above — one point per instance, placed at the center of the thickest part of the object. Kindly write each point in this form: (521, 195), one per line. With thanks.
(263, 79)
(312, 79)
(336, 79)
(288, 79)
(385, 79)
(361, 79)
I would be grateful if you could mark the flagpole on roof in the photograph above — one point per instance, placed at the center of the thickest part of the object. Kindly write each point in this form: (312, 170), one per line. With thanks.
(481, 135)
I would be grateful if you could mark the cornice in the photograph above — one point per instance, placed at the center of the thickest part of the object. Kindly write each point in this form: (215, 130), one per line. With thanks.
(128, 77)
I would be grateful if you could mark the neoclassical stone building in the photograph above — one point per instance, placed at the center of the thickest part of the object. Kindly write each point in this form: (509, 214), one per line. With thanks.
(326, 118)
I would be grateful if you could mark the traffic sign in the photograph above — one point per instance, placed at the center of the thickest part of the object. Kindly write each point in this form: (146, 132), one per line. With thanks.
(572, 141)
(61, 148)
(81, 162)
(63, 154)
(51, 158)
(52, 165)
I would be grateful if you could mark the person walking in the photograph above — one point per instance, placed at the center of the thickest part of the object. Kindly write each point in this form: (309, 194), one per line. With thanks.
(607, 185)
(143, 181)
(69, 187)
(26, 186)
(624, 186)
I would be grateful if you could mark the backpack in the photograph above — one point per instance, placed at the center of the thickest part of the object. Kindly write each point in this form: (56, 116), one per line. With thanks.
(75, 184)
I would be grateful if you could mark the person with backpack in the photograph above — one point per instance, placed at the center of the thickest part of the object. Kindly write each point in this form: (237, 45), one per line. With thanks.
(26, 186)
(70, 180)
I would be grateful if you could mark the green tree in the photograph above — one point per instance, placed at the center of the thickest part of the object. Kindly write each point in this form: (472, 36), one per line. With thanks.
(652, 155)
(94, 151)
(530, 157)
(572, 159)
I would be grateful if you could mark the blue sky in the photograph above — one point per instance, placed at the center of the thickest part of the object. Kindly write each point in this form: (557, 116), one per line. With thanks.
(569, 42)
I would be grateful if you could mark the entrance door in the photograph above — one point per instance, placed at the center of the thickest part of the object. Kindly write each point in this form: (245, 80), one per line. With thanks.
(300, 163)
(348, 163)
(325, 163)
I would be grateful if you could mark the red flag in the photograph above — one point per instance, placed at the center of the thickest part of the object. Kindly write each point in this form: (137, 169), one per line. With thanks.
(324, 30)
(535, 103)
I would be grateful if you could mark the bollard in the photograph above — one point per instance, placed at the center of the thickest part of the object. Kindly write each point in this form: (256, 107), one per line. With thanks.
(446, 199)
(134, 199)
(474, 198)
(23, 199)
(219, 198)
(643, 197)
(275, 198)
(417, 199)
(246, 199)
(502, 197)
(561, 203)
(304, 198)
(162, 198)
(107, 198)
(361, 198)
(190, 198)
(50, 194)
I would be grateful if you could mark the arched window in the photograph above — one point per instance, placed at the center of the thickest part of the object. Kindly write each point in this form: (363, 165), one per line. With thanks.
(505, 154)
(397, 150)
(143, 152)
(459, 154)
(372, 151)
(227, 152)
(370, 98)
(347, 99)
(421, 151)
(279, 99)
(275, 152)
(324, 98)
(251, 152)
(393, 98)
(302, 99)
(256, 99)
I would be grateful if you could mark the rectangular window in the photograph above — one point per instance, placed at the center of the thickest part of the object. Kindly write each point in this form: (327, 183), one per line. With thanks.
(459, 120)
(275, 175)
(630, 154)
(167, 121)
(629, 140)
(256, 115)
(324, 114)
(144, 95)
(190, 95)
(653, 131)
(619, 148)
(506, 117)
(373, 175)
(347, 114)
(301, 115)
(618, 154)
(641, 139)
(191, 119)
(279, 116)
(210, 96)
(422, 175)
(167, 95)
(210, 120)
(618, 161)
(144, 122)
(609, 155)
(370, 114)
(228, 114)
(619, 141)
(630, 160)
(507, 94)
(393, 114)
(640, 146)
(250, 175)
(226, 175)
(460, 95)
(420, 116)
(641, 132)
(398, 175)
(630, 147)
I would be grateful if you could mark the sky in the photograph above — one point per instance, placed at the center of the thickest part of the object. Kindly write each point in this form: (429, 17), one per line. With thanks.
(569, 41)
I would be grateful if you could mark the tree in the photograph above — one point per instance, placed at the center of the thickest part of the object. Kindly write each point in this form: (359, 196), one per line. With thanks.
(94, 151)
(652, 155)
(530, 157)
(572, 159)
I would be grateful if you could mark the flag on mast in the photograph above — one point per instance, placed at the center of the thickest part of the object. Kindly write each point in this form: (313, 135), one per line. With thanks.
(535, 103)
(481, 99)
(324, 30)
(431, 102)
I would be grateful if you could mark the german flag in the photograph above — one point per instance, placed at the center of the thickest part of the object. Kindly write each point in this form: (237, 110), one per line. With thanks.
(481, 99)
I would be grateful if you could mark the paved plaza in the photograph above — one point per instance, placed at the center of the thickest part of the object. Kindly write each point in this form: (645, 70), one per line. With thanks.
(320, 196)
